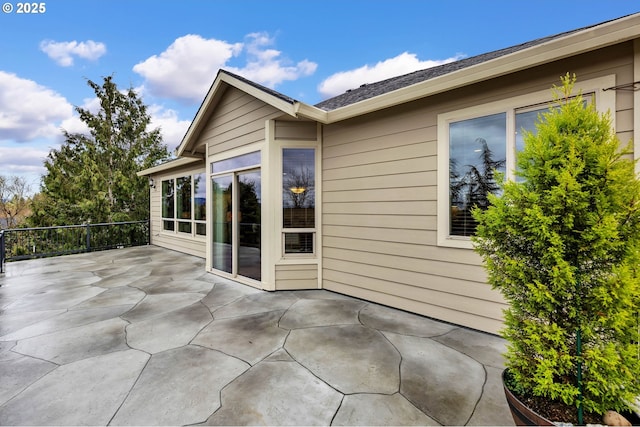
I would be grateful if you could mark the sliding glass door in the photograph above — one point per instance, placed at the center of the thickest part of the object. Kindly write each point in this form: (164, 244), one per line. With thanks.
(237, 212)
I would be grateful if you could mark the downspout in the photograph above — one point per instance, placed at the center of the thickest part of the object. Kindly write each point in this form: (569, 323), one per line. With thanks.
(636, 104)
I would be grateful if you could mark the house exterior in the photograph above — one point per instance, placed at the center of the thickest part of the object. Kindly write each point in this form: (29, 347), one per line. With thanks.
(368, 193)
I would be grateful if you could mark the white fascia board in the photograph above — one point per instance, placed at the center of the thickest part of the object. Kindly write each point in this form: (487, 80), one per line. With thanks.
(196, 123)
(574, 44)
(311, 112)
(274, 101)
(169, 165)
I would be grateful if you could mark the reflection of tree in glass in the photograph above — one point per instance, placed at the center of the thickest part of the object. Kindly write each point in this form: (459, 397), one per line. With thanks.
(483, 182)
(199, 197)
(298, 186)
(249, 213)
(249, 202)
(196, 183)
(472, 189)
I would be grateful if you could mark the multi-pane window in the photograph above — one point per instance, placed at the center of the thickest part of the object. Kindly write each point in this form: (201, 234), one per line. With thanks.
(475, 148)
(298, 200)
(183, 204)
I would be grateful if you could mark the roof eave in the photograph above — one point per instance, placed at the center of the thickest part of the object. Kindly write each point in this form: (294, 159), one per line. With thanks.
(573, 44)
(307, 111)
(183, 161)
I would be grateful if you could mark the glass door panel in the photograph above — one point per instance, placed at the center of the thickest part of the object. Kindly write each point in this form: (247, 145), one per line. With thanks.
(249, 220)
(222, 239)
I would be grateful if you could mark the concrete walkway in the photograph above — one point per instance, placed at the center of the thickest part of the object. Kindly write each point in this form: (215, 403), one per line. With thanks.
(144, 336)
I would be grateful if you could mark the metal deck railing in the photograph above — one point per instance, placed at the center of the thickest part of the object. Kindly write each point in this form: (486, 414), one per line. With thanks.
(39, 242)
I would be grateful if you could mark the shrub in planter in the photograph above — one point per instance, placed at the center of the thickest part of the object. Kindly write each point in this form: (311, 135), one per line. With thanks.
(563, 246)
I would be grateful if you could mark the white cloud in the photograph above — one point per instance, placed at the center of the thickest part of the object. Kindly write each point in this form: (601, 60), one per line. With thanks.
(187, 68)
(265, 66)
(63, 52)
(171, 127)
(15, 160)
(402, 64)
(29, 110)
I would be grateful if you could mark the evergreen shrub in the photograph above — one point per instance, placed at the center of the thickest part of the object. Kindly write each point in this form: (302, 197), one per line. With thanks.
(563, 247)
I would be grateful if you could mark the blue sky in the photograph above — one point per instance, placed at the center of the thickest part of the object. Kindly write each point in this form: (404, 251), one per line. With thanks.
(170, 51)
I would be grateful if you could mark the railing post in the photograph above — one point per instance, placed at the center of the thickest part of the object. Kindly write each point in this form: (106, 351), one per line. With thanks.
(1, 251)
(88, 237)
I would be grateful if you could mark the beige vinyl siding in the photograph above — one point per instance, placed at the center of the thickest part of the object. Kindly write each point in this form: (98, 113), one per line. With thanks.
(296, 276)
(193, 245)
(295, 130)
(379, 205)
(239, 120)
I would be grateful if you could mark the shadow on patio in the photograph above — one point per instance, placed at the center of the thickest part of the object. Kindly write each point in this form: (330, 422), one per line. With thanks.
(145, 336)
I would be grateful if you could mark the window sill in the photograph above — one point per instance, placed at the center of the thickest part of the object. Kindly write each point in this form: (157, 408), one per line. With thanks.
(455, 242)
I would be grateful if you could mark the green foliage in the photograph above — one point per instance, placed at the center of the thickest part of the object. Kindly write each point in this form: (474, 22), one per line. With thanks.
(92, 178)
(563, 247)
(14, 203)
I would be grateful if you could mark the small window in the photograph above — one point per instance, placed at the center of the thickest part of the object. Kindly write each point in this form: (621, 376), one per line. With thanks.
(239, 162)
(183, 204)
(200, 203)
(298, 243)
(168, 205)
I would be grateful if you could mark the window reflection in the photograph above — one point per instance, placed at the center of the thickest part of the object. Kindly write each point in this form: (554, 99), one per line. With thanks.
(477, 148)
(238, 162)
(167, 205)
(200, 203)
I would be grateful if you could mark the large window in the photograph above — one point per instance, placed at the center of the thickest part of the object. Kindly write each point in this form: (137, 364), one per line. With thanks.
(183, 205)
(476, 142)
(298, 200)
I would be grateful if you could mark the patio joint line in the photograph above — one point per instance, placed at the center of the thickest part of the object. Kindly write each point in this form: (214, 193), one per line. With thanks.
(484, 384)
(132, 386)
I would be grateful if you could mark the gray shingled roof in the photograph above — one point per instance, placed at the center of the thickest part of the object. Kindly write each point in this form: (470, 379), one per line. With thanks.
(371, 90)
(262, 88)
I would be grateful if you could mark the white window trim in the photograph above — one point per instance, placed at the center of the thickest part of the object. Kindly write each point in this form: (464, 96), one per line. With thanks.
(605, 101)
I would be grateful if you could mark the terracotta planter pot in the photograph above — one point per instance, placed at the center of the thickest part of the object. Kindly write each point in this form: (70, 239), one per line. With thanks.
(522, 414)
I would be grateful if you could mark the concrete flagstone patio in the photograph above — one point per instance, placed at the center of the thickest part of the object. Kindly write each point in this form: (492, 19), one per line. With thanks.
(144, 336)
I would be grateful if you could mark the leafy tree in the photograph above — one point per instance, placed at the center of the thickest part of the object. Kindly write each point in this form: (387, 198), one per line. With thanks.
(14, 202)
(92, 178)
(563, 247)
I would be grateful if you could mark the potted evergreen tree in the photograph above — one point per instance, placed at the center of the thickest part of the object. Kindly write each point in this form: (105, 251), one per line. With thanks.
(562, 245)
